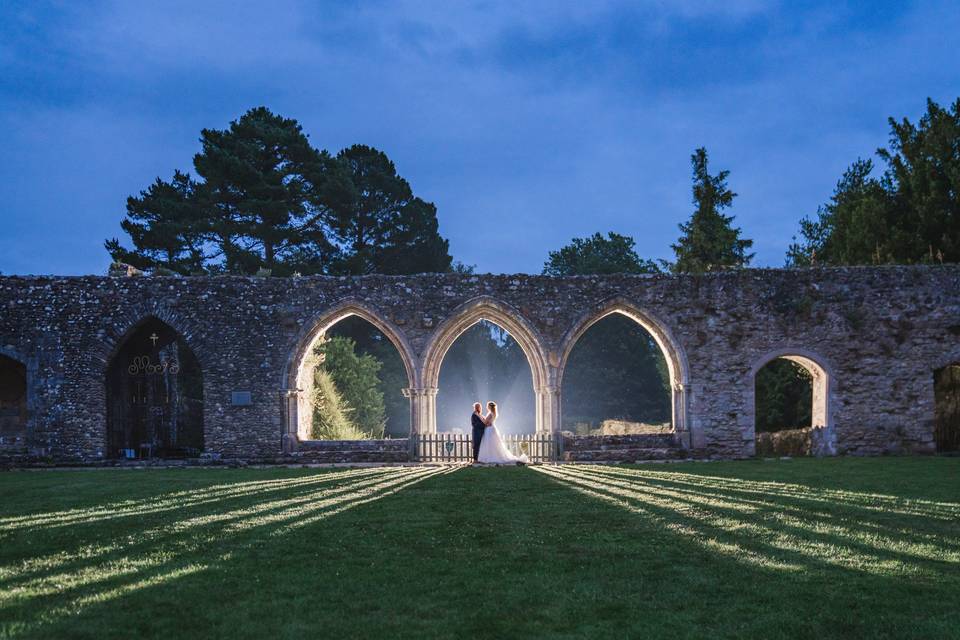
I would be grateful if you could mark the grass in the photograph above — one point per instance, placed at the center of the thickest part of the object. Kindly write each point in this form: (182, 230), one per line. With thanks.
(801, 549)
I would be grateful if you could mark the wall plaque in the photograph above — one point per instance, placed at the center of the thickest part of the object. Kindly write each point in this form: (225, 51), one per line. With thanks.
(241, 398)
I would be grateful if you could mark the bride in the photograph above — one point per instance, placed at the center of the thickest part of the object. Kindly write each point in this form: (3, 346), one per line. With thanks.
(492, 449)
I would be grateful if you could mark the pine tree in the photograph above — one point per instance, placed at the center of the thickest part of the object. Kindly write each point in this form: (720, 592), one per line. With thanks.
(166, 226)
(910, 214)
(331, 413)
(709, 242)
(381, 227)
(267, 190)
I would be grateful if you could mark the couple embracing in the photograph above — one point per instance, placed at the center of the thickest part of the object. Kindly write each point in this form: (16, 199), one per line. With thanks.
(488, 447)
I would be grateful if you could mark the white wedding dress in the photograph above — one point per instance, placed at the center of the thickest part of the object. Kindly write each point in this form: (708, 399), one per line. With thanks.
(492, 449)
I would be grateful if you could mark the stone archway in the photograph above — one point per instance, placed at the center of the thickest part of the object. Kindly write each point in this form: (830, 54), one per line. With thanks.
(297, 374)
(822, 388)
(154, 394)
(460, 320)
(676, 359)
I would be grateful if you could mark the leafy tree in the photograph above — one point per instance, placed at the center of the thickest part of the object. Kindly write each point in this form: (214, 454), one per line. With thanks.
(910, 214)
(392, 376)
(165, 226)
(709, 242)
(784, 397)
(331, 413)
(596, 254)
(268, 191)
(381, 227)
(355, 377)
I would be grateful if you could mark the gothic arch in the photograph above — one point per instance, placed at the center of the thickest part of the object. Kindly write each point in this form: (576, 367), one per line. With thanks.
(296, 372)
(673, 352)
(154, 393)
(503, 315)
(129, 321)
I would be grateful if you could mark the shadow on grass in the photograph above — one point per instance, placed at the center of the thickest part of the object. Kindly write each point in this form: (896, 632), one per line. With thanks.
(818, 550)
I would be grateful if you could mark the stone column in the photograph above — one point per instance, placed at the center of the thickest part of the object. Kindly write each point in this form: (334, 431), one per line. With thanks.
(423, 409)
(290, 404)
(548, 410)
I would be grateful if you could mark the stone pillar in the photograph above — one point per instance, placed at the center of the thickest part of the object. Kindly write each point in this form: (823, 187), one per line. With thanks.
(423, 409)
(548, 410)
(290, 404)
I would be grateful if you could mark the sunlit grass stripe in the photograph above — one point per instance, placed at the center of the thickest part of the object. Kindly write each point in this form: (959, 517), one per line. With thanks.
(769, 502)
(121, 567)
(701, 517)
(884, 541)
(430, 472)
(871, 501)
(176, 500)
(10, 576)
(728, 549)
(319, 510)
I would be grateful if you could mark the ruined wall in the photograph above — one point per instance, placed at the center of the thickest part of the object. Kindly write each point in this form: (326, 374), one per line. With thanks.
(879, 333)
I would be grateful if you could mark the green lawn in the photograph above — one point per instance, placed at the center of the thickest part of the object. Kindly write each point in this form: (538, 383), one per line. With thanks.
(806, 548)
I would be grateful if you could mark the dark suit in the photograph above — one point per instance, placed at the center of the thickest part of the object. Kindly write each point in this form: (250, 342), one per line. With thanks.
(478, 427)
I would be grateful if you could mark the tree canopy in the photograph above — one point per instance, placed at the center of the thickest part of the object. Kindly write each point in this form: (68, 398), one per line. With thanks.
(909, 214)
(266, 199)
(709, 241)
(597, 254)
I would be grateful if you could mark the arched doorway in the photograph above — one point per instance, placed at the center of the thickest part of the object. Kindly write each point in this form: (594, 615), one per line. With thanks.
(486, 363)
(154, 392)
(351, 377)
(13, 403)
(616, 381)
(946, 385)
(790, 404)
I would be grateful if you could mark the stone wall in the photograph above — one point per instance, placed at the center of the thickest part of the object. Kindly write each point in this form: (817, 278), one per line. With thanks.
(878, 334)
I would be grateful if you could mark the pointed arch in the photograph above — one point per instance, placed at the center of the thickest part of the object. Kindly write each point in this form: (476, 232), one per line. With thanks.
(673, 353)
(308, 338)
(153, 391)
(297, 380)
(497, 312)
(129, 321)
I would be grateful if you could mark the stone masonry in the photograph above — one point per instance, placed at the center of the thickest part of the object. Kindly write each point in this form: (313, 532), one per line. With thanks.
(873, 335)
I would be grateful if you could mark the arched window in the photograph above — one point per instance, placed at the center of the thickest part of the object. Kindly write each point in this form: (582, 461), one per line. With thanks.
(13, 403)
(154, 391)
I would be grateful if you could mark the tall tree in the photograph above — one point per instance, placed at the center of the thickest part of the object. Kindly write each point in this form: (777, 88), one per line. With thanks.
(597, 254)
(709, 241)
(268, 191)
(910, 214)
(166, 227)
(381, 227)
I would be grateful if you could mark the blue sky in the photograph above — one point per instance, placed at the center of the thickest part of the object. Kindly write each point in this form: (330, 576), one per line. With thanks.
(527, 123)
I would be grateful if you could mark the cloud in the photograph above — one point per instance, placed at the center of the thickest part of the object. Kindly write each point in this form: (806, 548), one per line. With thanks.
(527, 123)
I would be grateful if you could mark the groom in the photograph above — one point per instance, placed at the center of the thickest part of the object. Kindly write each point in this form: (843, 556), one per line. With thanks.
(478, 425)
